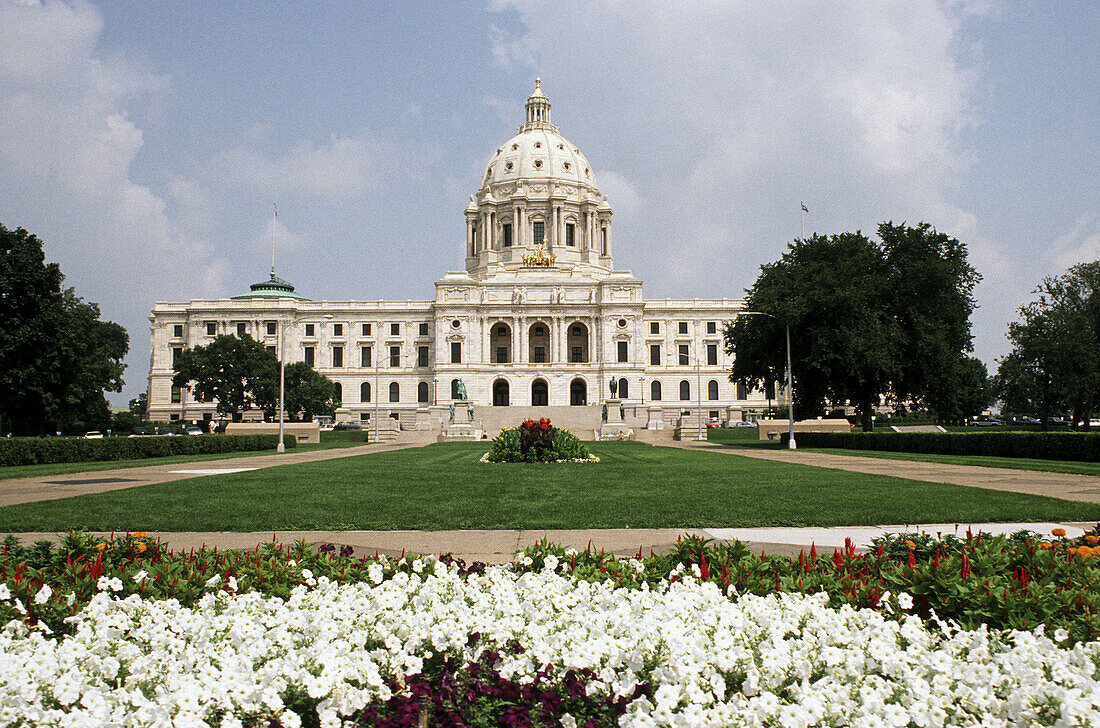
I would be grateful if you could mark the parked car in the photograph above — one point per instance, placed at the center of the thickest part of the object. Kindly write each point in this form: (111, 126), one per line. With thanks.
(93, 435)
(349, 425)
(743, 423)
(1025, 420)
(195, 430)
(140, 432)
(984, 421)
(1055, 420)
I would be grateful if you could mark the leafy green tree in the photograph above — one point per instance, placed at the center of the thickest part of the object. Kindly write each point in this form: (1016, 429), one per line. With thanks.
(56, 356)
(868, 321)
(1054, 365)
(139, 406)
(236, 373)
(308, 393)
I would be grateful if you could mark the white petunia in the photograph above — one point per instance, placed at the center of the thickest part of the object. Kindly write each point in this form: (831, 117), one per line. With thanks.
(43, 594)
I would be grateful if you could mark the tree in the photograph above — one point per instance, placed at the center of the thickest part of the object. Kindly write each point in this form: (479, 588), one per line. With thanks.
(1054, 365)
(139, 406)
(236, 373)
(868, 321)
(56, 356)
(308, 393)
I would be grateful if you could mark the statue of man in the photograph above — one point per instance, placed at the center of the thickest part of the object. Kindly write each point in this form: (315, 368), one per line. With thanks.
(470, 411)
(452, 412)
(460, 390)
(614, 384)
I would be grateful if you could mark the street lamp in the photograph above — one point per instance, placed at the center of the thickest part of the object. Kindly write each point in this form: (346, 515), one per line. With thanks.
(281, 447)
(790, 381)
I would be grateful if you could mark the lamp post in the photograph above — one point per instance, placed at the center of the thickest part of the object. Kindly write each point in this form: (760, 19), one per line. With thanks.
(699, 394)
(790, 379)
(281, 447)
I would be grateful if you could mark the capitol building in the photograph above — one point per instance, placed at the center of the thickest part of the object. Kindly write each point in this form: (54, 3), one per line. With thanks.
(537, 323)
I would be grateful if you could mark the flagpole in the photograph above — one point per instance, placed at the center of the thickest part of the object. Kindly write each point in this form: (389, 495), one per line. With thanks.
(801, 214)
(274, 224)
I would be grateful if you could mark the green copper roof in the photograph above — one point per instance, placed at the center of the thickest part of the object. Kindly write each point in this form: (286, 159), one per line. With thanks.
(272, 288)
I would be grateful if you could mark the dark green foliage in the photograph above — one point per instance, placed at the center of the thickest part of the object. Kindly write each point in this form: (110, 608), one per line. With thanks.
(308, 393)
(867, 320)
(1040, 445)
(536, 442)
(236, 373)
(29, 451)
(56, 356)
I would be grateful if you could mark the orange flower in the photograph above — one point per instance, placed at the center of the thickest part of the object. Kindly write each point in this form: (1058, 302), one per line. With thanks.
(139, 534)
(910, 545)
(140, 547)
(1091, 540)
(1072, 550)
(1058, 532)
(1085, 552)
(100, 546)
(1044, 544)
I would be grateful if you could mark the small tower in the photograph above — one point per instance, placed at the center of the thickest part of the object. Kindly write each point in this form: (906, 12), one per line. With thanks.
(538, 108)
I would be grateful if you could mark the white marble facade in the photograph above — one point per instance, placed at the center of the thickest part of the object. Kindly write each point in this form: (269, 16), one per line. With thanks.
(538, 317)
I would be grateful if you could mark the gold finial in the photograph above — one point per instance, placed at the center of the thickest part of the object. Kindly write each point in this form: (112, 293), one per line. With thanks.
(538, 83)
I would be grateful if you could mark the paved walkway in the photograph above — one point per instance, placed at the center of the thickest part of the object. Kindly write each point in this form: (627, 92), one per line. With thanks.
(1067, 486)
(499, 547)
(52, 487)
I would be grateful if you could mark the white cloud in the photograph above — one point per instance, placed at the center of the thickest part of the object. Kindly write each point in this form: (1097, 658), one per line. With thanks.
(1079, 244)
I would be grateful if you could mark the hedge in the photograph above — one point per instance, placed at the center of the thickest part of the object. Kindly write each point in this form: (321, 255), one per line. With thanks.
(30, 451)
(1079, 446)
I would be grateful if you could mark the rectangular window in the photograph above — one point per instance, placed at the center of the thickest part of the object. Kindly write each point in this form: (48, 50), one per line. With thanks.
(712, 354)
(713, 414)
(654, 327)
(395, 329)
(507, 228)
(537, 233)
(211, 328)
(683, 327)
(337, 329)
(177, 330)
(655, 354)
(502, 355)
(395, 356)
(337, 356)
(366, 329)
(683, 355)
(242, 329)
(364, 356)
(456, 352)
(271, 350)
(742, 391)
(569, 233)
(422, 356)
(622, 347)
(176, 351)
(712, 327)
(540, 355)
(309, 355)
(576, 356)
(177, 395)
(272, 328)
(423, 329)
(310, 330)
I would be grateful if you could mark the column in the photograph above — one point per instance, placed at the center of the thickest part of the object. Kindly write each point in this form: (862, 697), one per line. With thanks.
(470, 237)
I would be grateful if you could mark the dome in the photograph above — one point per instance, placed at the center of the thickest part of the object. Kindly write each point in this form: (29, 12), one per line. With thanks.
(272, 288)
(538, 152)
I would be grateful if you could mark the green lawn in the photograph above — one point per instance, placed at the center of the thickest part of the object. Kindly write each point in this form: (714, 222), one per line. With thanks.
(443, 486)
(328, 440)
(1050, 466)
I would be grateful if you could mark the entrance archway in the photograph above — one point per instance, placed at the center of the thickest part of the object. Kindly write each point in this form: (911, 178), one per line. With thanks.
(540, 393)
(500, 393)
(578, 393)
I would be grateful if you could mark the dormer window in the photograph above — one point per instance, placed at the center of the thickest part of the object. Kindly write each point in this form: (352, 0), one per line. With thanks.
(508, 167)
(538, 164)
(538, 145)
(515, 147)
(566, 165)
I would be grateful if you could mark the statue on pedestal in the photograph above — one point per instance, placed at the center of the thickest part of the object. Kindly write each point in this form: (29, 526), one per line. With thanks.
(452, 412)
(470, 411)
(614, 384)
(460, 390)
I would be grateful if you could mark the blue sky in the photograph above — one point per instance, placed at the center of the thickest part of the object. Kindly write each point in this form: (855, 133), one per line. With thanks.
(146, 142)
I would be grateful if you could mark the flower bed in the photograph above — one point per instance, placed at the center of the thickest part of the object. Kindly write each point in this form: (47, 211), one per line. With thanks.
(538, 648)
(124, 631)
(537, 442)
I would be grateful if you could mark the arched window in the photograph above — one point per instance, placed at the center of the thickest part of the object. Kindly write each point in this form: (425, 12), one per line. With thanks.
(395, 392)
(712, 389)
(339, 393)
(578, 393)
(622, 389)
(685, 390)
(655, 390)
(540, 393)
(454, 389)
(364, 392)
(500, 393)
(422, 392)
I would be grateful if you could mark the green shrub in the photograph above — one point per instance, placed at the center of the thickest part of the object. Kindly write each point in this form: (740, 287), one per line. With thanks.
(536, 442)
(1078, 446)
(28, 451)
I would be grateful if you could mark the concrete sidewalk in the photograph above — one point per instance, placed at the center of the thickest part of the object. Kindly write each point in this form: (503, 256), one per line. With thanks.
(1067, 486)
(499, 547)
(52, 487)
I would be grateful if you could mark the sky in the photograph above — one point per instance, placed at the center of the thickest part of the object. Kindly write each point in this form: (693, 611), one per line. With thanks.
(146, 143)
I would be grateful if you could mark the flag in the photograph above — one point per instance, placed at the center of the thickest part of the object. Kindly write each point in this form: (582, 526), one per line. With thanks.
(804, 208)
(277, 208)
